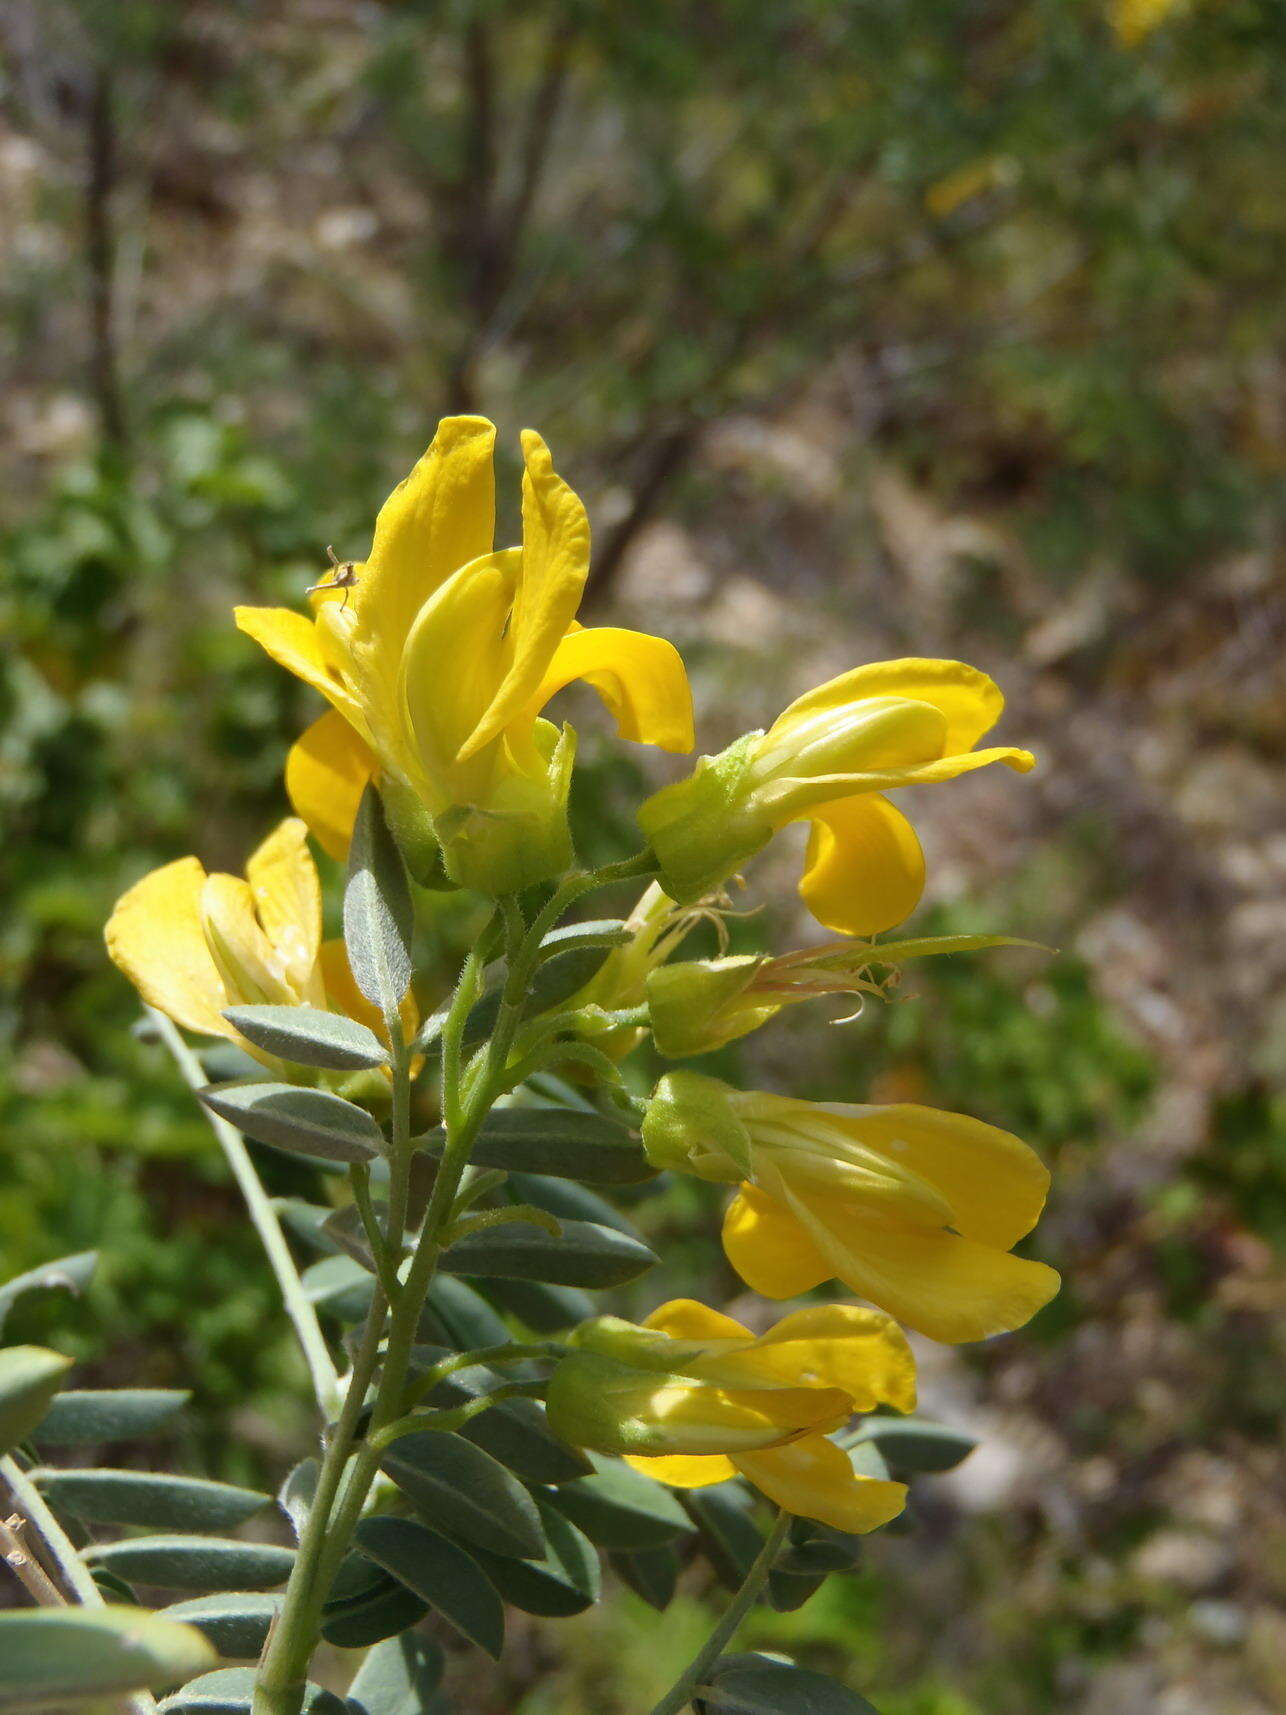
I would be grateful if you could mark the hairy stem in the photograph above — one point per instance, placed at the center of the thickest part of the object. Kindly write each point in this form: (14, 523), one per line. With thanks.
(693, 1676)
(301, 1313)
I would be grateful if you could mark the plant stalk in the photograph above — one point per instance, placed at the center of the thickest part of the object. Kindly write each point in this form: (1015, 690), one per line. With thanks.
(302, 1315)
(693, 1677)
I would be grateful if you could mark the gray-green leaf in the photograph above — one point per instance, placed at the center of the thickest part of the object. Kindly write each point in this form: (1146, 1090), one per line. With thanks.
(916, 1443)
(378, 915)
(440, 1573)
(29, 1379)
(194, 1562)
(583, 1254)
(564, 1580)
(67, 1274)
(757, 1685)
(398, 1677)
(235, 1622)
(307, 1036)
(557, 1141)
(53, 1657)
(139, 1497)
(82, 1416)
(302, 1122)
(464, 1490)
(230, 1691)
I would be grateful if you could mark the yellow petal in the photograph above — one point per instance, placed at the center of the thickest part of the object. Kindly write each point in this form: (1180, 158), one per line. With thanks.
(640, 678)
(813, 1478)
(935, 1281)
(768, 1247)
(154, 936)
(438, 519)
(252, 973)
(293, 641)
(287, 896)
(686, 1319)
(327, 770)
(995, 1184)
(685, 1470)
(842, 1345)
(453, 661)
(555, 562)
(970, 701)
(865, 869)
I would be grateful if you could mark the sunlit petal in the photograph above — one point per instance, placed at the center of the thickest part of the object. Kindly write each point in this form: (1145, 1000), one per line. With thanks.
(971, 702)
(287, 896)
(938, 1282)
(294, 643)
(438, 519)
(451, 665)
(865, 870)
(768, 1248)
(813, 1478)
(327, 770)
(686, 1319)
(155, 937)
(685, 1470)
(640, 678)
(995, 1183)
(845, 1346)
(555, 563)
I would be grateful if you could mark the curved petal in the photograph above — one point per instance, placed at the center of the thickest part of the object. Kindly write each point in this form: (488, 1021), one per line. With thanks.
(293, 641)
(154, 936)
(864, 871)
(935, 1281)
(842, 1345)
(327, 770)
(287, 896)
(246, 959)
(685, 1470)
(995, 1183)
(971, 701)
(686, 1319)
(768, 1247)
(436, 520)
(813, 1478)
(453, 660)
(640, 678)
(555, 563)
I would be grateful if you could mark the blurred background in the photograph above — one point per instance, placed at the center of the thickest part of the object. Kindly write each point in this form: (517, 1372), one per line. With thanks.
(928, 327)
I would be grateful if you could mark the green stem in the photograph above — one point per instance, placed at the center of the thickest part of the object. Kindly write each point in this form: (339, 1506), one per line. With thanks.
(302, 1315)
(693, 1677)
(350, 1466)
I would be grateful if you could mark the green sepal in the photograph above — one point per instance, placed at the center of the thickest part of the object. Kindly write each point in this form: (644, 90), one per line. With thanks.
(705, 827)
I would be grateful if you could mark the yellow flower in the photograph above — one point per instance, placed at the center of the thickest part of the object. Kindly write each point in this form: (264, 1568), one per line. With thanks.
(441, 653)
(827, 760)
(194, 944)
(913, 1208)
(692, 1398)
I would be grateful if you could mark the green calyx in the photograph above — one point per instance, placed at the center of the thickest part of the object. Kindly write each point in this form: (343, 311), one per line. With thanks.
(691, 1126)
(705, 827)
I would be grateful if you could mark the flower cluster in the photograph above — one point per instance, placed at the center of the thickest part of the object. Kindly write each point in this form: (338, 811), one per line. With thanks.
(438, 654)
